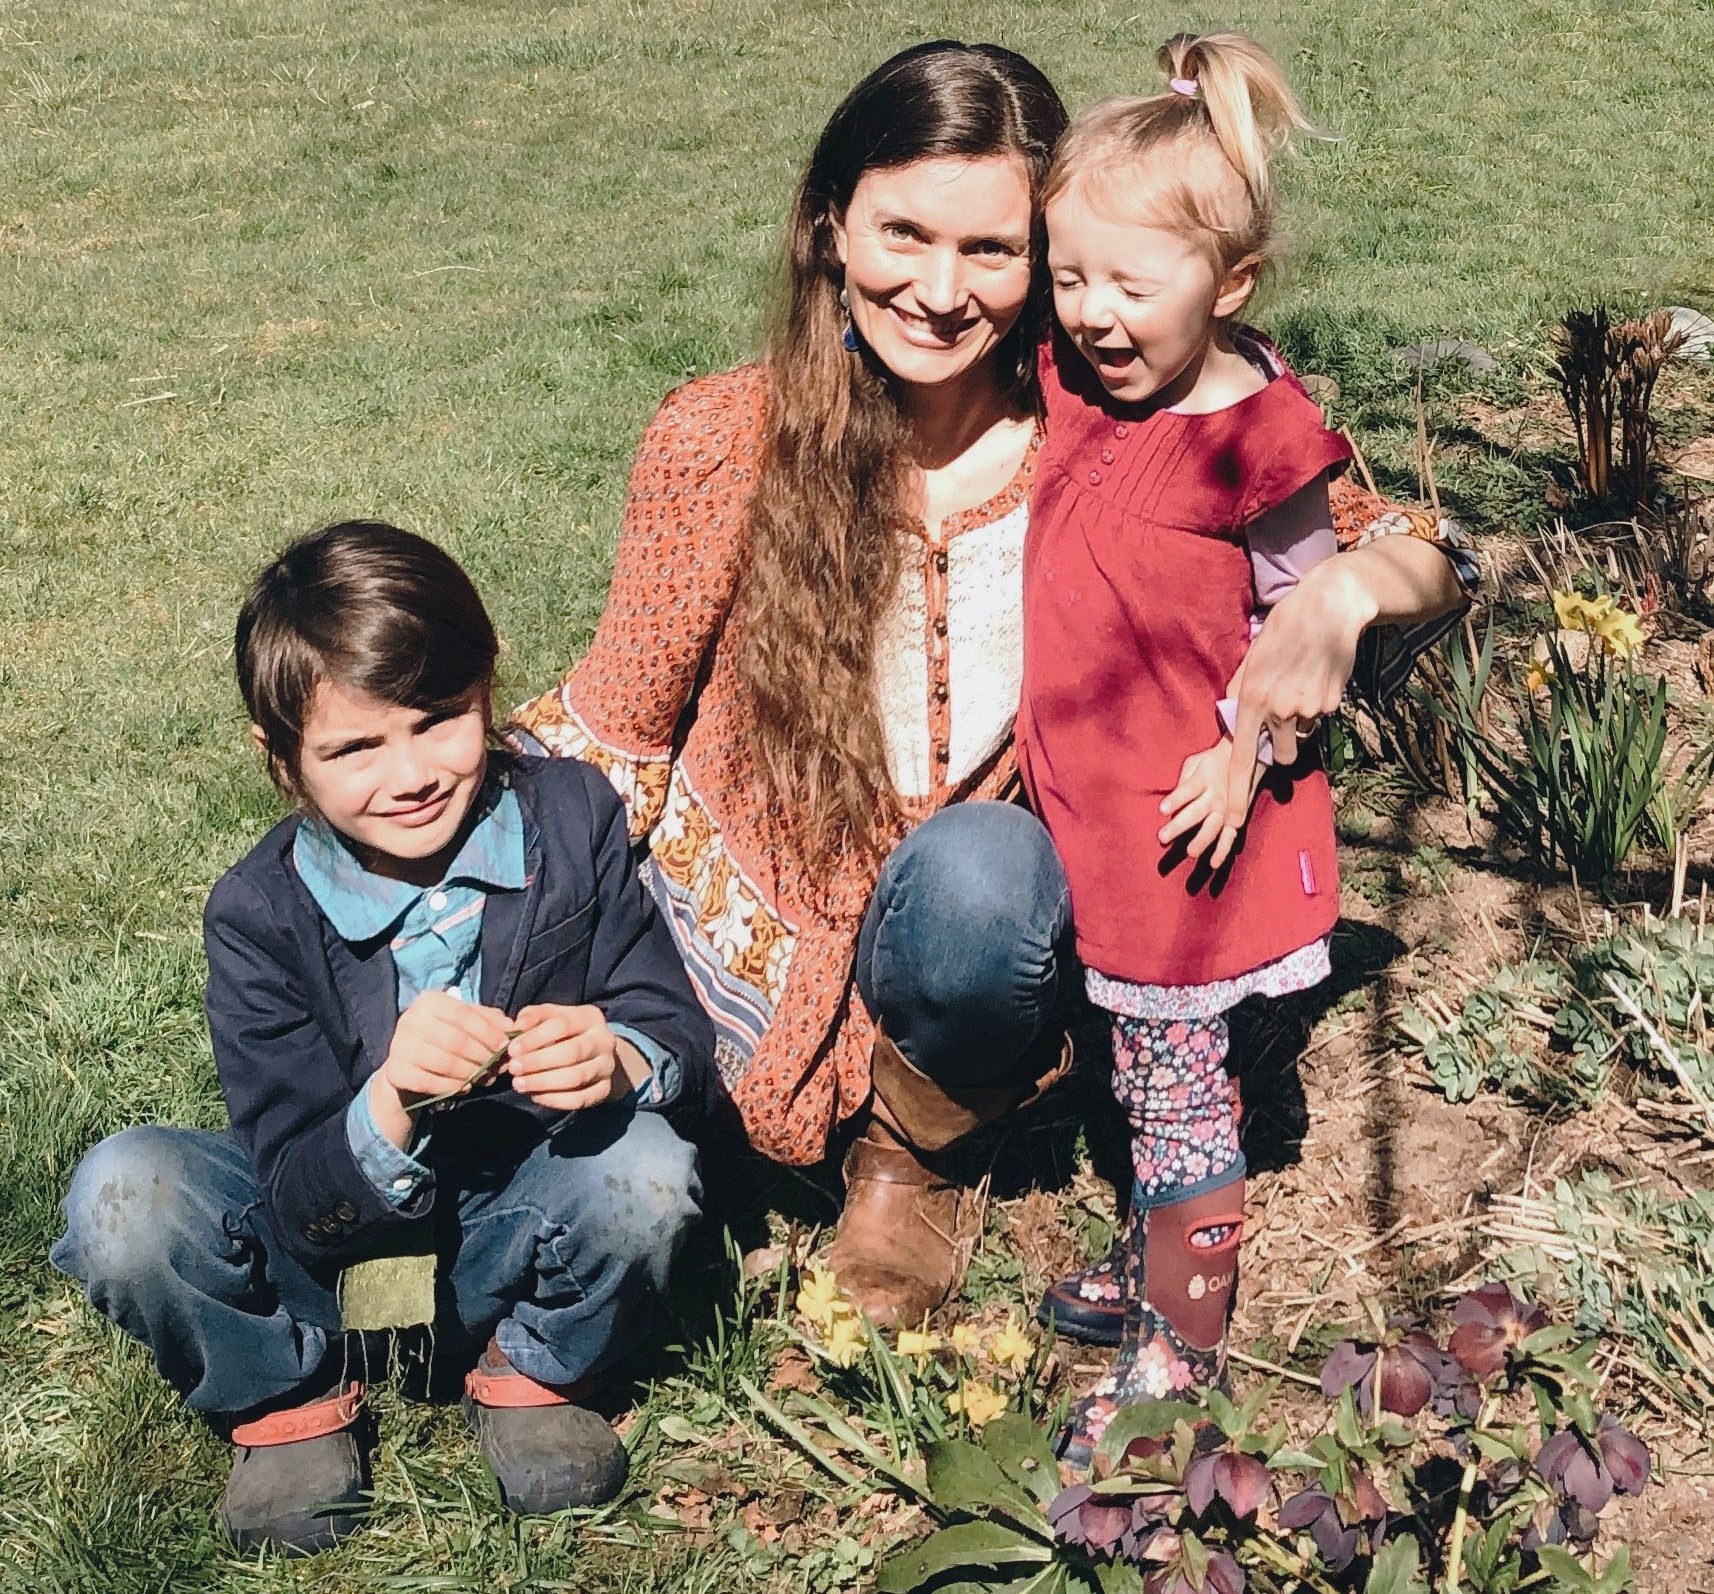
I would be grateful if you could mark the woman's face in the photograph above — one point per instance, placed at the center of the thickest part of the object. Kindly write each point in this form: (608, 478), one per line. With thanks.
(937, 262)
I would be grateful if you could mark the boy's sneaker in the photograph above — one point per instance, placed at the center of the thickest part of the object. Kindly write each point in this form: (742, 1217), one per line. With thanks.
(547, 1451)
(299, 1475)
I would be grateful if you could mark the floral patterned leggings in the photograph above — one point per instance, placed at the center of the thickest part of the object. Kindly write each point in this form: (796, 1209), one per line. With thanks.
(1169, 1075)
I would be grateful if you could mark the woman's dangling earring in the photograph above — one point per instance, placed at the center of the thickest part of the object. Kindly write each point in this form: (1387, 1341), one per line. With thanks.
(849, 337)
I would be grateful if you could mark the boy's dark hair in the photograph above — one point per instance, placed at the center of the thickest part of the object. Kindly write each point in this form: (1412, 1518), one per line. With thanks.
(369, 607)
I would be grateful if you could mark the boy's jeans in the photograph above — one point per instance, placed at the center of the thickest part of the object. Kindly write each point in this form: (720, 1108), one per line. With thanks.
(558, 1255)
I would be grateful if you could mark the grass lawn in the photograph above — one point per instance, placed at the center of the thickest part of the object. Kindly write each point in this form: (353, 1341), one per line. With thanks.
(262, 266)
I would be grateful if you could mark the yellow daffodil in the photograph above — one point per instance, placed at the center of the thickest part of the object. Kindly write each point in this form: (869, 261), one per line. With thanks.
(1012, 1347)
(966, 1339)
(1620, 632)
(919, 1343)
(978, 1402)
(845, 1341)
(819, 1300)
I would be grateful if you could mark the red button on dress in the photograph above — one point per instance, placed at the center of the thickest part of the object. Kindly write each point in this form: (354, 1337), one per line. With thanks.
(1137, 600)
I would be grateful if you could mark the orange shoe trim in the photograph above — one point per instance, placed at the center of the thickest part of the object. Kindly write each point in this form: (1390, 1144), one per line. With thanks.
(302, 1422)
(511, 1390)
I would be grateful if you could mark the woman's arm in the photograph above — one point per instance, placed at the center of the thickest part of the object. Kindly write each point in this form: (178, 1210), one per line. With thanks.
(1298, 665)
(674, 574)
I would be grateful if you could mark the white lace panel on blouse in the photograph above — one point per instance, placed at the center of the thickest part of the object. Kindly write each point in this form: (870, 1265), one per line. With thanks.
(974, 646)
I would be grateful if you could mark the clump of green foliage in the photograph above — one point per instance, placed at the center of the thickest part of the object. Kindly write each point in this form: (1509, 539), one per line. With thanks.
(1630, 1262)
(1552, 1031)
(1573, 755)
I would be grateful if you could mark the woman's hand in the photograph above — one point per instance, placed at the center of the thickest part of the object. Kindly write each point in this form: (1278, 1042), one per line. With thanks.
(438, 1044)
(567, 1059)
(1298, 665)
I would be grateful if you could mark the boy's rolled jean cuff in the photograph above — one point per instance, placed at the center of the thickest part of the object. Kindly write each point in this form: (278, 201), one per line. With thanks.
(166, 1231)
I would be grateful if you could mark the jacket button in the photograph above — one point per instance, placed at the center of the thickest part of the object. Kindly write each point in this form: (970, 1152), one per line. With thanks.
(1106, 456)
(940, 560)
(1121, 430)
(1094, 477)
(940, 692)
(942, 754)
(940, 626)
(345, 1212)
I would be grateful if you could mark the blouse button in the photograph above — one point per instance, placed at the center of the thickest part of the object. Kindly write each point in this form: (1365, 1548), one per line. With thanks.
(1094, 477)
(940, 560)
(1106, 456)
(1121, 430)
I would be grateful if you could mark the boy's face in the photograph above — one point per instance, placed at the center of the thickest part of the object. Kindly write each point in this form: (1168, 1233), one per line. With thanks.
(396, 782)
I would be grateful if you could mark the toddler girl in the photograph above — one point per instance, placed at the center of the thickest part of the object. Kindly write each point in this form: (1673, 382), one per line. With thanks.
(1184, 483)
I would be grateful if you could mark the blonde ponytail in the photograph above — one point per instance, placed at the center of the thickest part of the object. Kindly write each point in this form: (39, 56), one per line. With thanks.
(1250, 106)
(1224, 114)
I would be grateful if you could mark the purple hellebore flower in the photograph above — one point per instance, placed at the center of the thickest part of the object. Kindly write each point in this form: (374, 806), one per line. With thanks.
(1626, 1456)
(1488, 1323)
(1587, 1471)
(1224, 1576)
(1339, 1531)
(1572, 1467)
(1412, 1373)
(1240, 1480)
(1080, 1516)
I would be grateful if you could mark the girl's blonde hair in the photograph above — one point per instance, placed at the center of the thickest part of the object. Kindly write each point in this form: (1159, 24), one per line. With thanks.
(1170, 159)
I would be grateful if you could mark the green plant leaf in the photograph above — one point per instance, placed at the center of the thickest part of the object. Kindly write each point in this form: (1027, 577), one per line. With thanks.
(1118, 1577)
(965, 1544)
(963, 1478)
(1617, 1575)
(1225, 1414)
(1394, 1567)
(1552, 1337)
(1151, 1419)
(1021, 1451)
(1494, 1448)
(1568, 1573)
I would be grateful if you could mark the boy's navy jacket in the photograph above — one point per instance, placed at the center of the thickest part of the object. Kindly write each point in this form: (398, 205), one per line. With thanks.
(300, 1017)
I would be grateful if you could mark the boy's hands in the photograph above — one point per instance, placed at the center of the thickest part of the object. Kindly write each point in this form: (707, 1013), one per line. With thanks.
(438, 1044)
(567, 1059)
(1198, 806)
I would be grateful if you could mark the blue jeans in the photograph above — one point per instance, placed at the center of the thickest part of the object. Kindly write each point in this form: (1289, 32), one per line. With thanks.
(964, 942)
(558, 1255)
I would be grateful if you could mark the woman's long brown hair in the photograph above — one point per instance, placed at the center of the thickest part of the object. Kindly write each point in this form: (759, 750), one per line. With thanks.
(828, 519)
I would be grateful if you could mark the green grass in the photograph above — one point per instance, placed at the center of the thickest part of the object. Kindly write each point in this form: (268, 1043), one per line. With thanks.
(265, 265)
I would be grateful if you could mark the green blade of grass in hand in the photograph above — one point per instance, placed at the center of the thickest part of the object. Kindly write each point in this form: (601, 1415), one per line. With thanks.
(486, 1070)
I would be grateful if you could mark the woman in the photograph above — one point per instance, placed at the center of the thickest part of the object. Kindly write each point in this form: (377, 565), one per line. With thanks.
(804, 681)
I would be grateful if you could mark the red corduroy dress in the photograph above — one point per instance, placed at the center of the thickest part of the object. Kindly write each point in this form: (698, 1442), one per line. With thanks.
(1137, 602)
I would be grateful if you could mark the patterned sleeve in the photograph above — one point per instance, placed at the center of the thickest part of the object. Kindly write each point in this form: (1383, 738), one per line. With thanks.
(1388, 653)
(674, 574)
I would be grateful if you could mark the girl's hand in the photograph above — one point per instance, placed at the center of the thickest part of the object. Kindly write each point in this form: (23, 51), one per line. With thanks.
(1198, 803)
(567, 1059)
(438, 1044)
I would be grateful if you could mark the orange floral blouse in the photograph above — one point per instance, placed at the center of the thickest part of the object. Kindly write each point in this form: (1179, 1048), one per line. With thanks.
(656, 705)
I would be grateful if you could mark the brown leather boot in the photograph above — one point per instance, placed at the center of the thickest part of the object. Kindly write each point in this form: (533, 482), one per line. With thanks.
(908, 1228)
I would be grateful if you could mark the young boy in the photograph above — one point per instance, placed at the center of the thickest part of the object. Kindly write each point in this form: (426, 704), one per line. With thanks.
(437, 920)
